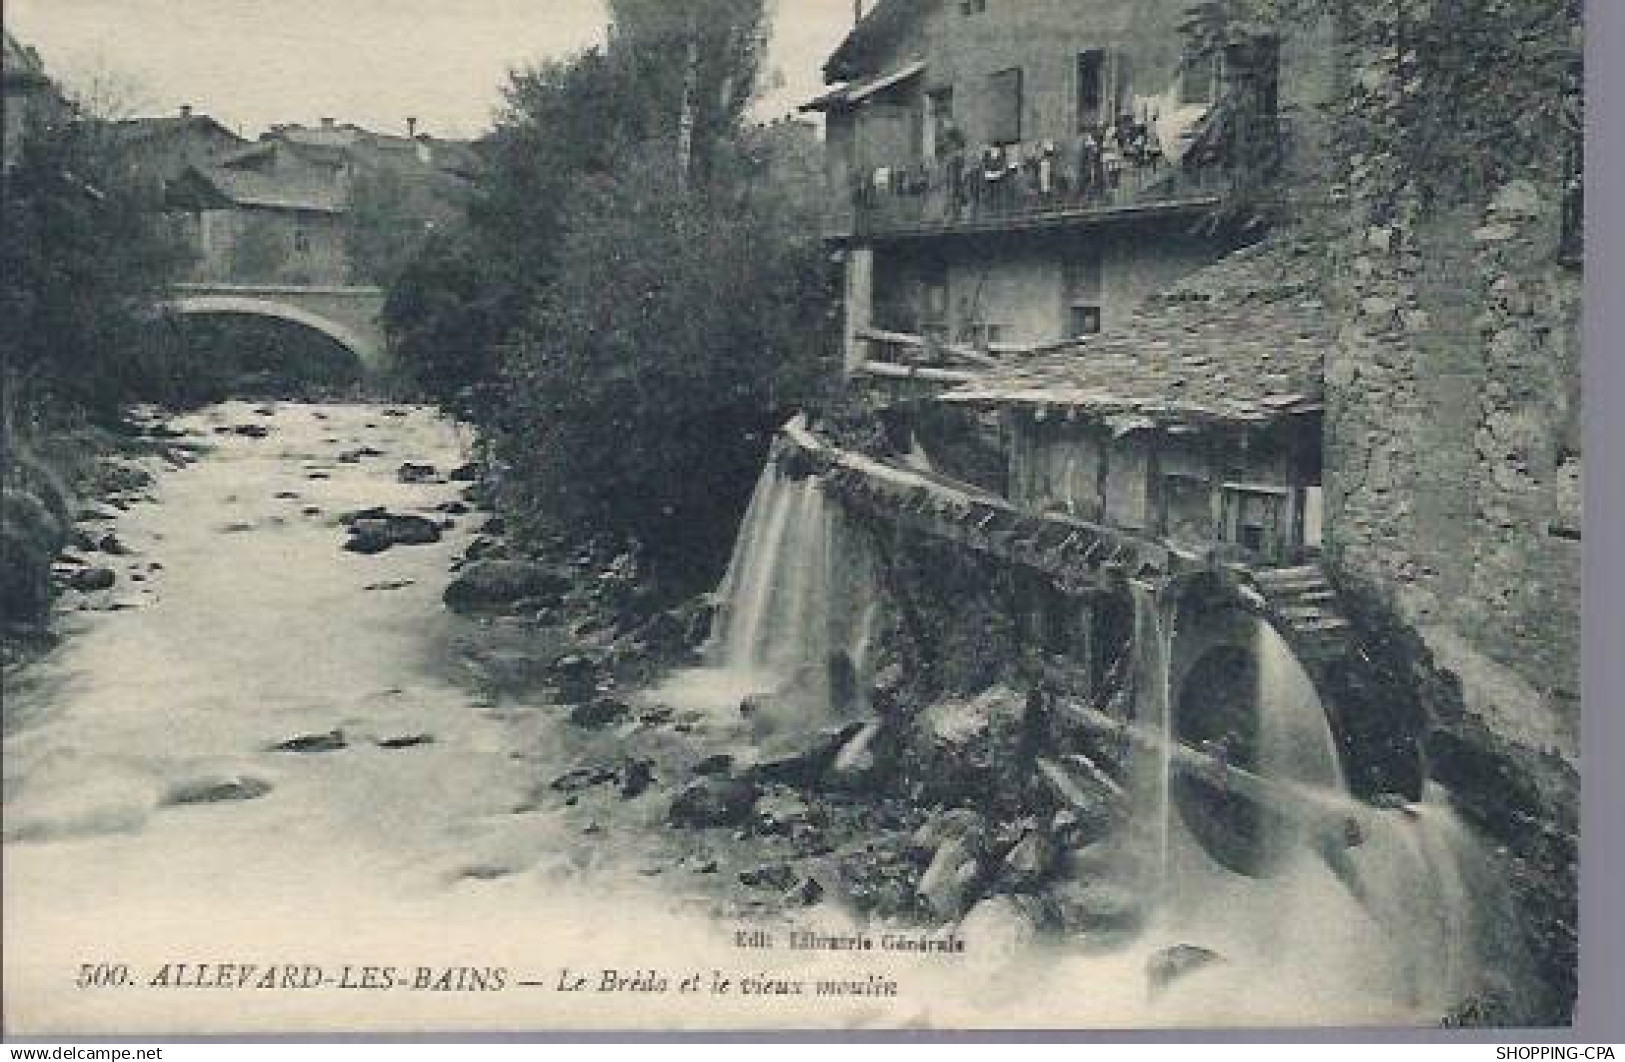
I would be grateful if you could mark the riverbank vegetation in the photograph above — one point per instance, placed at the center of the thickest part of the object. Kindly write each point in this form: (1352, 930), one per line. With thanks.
(637, 299)
(83, 264)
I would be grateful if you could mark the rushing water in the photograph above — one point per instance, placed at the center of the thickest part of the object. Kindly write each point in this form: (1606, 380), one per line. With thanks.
(250, 626)
(1400, 905)
(795, 613)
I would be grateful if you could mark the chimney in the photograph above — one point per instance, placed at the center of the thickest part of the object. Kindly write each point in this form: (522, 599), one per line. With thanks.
(412, 128)
(857, 11)
(327, 123)
(186, 111)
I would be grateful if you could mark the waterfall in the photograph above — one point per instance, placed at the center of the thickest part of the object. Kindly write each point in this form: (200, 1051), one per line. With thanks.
(1401, 903)
(1152, 776)
(1295, 739)
(796, 609)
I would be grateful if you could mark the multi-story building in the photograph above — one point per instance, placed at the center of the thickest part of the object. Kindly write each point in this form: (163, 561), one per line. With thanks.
(1010, 176)
(156, 151)
(289, 207)
(29, 95)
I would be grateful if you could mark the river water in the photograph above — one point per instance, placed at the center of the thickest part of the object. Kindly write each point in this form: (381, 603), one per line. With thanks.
(419, 848)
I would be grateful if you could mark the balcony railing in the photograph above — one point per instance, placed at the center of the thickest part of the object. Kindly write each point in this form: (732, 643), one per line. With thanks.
(1026, 184)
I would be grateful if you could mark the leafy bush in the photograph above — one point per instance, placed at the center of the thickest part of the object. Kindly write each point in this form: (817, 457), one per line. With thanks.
(678, 334)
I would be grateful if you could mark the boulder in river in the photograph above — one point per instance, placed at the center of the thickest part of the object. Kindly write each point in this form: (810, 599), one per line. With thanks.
(90, 580)
(1172, 964)
(111, 546)
(465, 473)
(713, 802)
(801, 759)
(375, 534)
(600, 712)
(1096, 907)
(414, 472)
(219, 788)
(405, 741)
(972, 747)
(1026, 865)
(636, 778)
(953, 872)
(331, 741)
(494, 584)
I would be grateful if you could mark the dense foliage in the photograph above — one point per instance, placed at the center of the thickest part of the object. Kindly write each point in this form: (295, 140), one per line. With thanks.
(679, 333)
(81, 267)
(637, 299)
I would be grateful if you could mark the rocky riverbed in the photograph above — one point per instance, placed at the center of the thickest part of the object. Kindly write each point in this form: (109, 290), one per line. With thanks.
(324, 713)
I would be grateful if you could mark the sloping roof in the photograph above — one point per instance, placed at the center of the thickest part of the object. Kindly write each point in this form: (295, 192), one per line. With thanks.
(847, 95)
(20, 63)
(132, 130)
(874, 31)
(1240, 341)
(309, 192)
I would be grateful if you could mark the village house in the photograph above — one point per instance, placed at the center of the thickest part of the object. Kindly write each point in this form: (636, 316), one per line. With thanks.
(1009, 177)
(283, 209)
(30, 96)
(1198, 422)
(261, 215)
(156, 151)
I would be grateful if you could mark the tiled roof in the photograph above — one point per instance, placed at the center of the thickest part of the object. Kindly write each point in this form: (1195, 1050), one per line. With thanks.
(130, 130)
(1240, 341)
(880, 26)
(283, 191)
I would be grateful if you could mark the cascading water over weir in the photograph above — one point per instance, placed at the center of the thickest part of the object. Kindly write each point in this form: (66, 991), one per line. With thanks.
(795, 613)
(1304, 891)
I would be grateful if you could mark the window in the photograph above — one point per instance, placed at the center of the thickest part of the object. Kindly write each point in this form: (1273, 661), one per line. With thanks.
(934, 300)
(1085, 321)
(972, 7)
(1187, 509)
(1083, 291)
(942, 135)
(1004, 107)
(1255, 518)
(1198, 77)
(1091, 88)
(301, 241)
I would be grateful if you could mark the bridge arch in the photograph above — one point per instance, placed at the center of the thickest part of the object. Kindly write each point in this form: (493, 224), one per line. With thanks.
(365, 348)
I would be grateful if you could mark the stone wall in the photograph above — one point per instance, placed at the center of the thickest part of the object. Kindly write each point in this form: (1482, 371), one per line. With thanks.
(1453, 454)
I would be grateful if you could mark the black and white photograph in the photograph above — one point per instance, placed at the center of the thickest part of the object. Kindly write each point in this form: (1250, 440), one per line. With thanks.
(526, 516)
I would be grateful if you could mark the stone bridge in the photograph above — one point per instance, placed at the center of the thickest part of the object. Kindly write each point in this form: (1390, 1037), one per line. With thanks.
(347, 315)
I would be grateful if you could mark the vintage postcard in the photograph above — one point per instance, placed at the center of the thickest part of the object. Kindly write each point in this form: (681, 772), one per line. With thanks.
(790, 514)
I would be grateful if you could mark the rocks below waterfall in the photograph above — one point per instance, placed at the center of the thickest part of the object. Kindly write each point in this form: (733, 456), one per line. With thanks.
(713, 802)
(490, 585)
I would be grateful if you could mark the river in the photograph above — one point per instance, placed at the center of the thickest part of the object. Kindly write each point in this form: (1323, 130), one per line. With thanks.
(152, 820)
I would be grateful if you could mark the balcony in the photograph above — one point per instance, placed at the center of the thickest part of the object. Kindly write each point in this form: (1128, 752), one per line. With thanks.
(1030, 185)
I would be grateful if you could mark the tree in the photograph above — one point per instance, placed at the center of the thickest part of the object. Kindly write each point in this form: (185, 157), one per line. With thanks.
(81, 267)
(660, 304)
(444, 323)
(381, 234)
(678, 334)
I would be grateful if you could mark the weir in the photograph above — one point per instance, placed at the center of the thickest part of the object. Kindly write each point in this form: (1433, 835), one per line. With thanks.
(1244, 831)
(795, 613)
